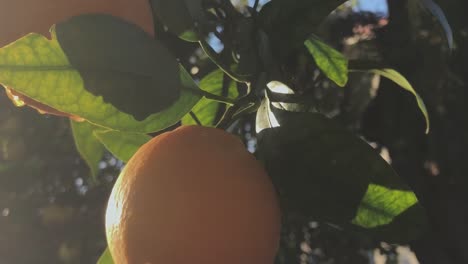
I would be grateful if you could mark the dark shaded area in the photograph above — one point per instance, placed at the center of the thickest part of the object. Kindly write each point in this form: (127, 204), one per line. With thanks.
(433, 165)
(49, 213)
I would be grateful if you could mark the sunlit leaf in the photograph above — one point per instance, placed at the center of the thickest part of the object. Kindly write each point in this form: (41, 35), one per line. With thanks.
(284, 98)
(106, 258)
(38, 68)
(404, 83)
(20, 100)
(331, 62)
(381, 205)
(89, 147)
(206, 110)
(121, 144)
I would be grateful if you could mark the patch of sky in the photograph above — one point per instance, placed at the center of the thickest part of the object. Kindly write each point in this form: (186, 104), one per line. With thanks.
(374, 6)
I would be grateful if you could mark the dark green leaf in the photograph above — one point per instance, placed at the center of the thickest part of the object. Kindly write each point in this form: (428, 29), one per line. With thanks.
(206, 110)
(313, 164)
(120, 62)
(89, 147)
(180, 16)
(324, 172)
(106, 258)
(332, 63)
(403, 82)
(38, 68)
(122, 145)
(290, 22)
(303, 13)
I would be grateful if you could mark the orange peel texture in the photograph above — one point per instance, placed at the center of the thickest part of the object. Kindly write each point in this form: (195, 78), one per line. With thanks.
(193, 195)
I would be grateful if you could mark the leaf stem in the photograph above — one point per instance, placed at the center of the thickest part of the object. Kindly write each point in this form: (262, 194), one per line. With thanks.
(195, 118)
(235, 110)
(213, 97)
(255, 6)
(215, 58)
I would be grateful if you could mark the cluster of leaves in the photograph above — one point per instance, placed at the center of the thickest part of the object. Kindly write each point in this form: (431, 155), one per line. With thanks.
(124, 85)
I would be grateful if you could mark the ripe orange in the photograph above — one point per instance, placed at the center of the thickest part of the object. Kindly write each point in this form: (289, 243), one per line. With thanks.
(20, 17)
(193, 195)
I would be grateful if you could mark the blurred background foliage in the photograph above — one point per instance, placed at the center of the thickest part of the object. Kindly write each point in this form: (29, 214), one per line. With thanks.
(51, 212)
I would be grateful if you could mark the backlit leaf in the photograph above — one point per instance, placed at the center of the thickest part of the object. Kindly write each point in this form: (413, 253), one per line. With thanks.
(38, 68)
(331, 62)
(122, 145)
(89, 147)
(206, 110)
(403, 83)
(106, 258)
(381, 205)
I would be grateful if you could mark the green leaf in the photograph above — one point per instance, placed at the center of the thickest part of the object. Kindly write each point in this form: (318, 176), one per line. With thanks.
(206, 110)
(326, 173)
(284, 98)
(121, 144)
(403, 82)
(106, 258)
(120, 62)
(312, 162)
(38, 68)
(332, 63)
(404, 228)
(381, 205)
(290, 22)
(89, 147)
(180, 16)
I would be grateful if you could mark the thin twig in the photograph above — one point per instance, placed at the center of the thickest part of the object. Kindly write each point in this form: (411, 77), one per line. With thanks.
(227, 118)
(215, 58)
(255, 6)
(195, 118)
(213, 97)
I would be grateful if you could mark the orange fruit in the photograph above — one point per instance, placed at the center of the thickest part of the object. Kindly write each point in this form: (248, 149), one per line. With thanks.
(20, 17)
(193, 195)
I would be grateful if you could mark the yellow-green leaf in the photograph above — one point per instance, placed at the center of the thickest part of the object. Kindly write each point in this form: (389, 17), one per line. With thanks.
(330, 61)
(381, 205)
(405, 84)
(38, 68)
(206, 110)
(122, 144)
(89, 147)
(106, 258)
